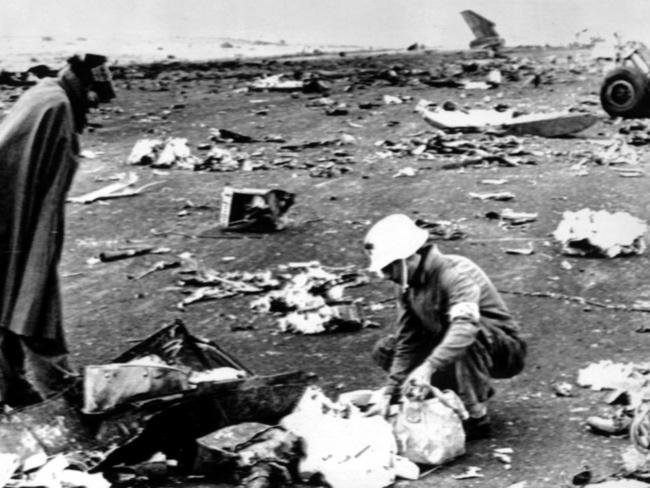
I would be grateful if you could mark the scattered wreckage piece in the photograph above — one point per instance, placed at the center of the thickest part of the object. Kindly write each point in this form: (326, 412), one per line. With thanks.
(254, 210)
(325, 318)
(485, 34)
(213, 284)
(145, 152)
(276, 83)
(608, 375)
(553, 124)
(176, 153)
(108, 256)
(172, 425)
(600, 233)
(312, 302)
(109, 385)
(222, 159)
(505, 151)
(522, 251)
(173, 152)
(227, 135)
(501, 196)
(120, 189)
(510, 217)
(60, 471)
(617, 152)
(250, 454)
(157, 266)
(442, 229)
(51, 427)
(282, 83)
(136, 429)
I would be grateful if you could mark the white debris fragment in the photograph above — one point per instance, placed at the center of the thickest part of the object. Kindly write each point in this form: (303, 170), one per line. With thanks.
(520, 484)
(608, 375)
(9, 464)
(405, 172)
(471, 472)
(617, 152)
(502, 196)
(494, 77)
(74, 477)
(392, 100)
(276, 82)
(504, 458)
(49, 475)
(176, 152)
(588, 232)
(88, 154)
(214, 375)
(347, 139)
(145, 152)
(305, 322)
(405, 468)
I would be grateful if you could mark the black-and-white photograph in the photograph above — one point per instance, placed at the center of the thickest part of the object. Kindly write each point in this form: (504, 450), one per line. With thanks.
(338, 244)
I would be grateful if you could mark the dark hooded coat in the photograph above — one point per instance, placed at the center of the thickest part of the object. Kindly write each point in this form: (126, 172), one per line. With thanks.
(38, 158)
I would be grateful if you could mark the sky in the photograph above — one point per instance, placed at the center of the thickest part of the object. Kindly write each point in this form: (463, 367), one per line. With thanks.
(376, 23)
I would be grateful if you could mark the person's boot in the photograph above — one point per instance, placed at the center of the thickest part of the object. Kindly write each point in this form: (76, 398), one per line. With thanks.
(477, 428)
(615, 425)
(22, 395)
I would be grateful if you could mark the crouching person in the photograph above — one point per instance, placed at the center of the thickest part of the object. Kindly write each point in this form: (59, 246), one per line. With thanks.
(454, 329)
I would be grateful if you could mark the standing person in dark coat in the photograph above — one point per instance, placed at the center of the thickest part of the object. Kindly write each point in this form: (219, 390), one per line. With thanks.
(454, 329)
(39, 148)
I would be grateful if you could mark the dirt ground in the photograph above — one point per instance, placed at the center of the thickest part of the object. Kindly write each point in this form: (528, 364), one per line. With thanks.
(106, 312)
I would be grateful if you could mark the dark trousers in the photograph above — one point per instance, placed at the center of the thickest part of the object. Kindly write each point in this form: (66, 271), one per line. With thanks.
(495, 354)
(44, 362)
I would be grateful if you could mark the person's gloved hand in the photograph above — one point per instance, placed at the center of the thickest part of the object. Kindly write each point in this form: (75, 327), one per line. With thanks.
(379, 403)
(418, 382)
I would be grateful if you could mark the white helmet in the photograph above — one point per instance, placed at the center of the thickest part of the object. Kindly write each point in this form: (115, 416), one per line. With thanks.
(393, 237)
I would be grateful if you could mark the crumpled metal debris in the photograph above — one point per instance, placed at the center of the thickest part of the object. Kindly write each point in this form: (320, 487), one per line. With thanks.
(109, 385)
(255, 209)
(600, 233)
(312, 301)
(168, 425)
(251, 454)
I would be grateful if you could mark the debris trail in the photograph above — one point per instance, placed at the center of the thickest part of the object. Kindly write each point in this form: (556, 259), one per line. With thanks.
(578, 299)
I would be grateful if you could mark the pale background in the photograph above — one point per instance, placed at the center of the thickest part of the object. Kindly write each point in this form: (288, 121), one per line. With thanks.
(191, 28)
